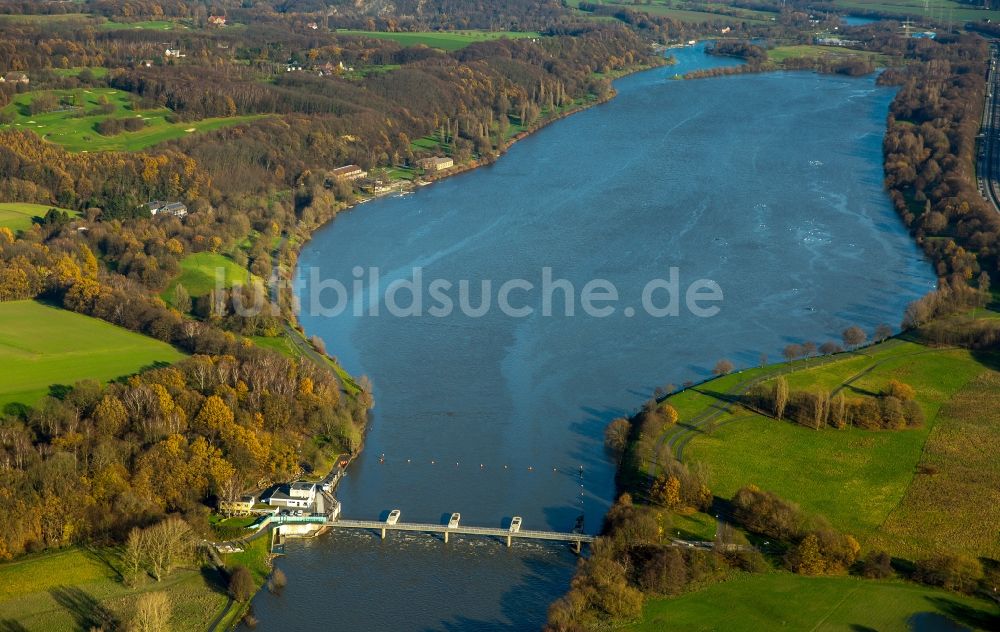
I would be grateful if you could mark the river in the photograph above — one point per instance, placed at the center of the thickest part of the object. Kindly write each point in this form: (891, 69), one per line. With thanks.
(768, 184)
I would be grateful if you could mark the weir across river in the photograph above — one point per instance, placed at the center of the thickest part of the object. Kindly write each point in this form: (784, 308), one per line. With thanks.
(577, 539)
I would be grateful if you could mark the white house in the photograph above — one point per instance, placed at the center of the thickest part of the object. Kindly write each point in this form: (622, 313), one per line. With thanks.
(298, 495)
(160, 207)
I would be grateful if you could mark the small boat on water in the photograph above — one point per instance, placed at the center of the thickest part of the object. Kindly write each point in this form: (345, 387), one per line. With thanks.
(515, 524)
(453, 522)
(393, 517)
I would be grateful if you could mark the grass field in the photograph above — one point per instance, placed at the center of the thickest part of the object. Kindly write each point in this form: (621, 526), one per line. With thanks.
(42, 345)
(817, 604)
(41, 19)
(76, 132)
(859, 478)
(76, 589)
(689, 13)
(783, 53)
(445, 40)
(97, 71)
(17, 215)
(201, 271)
(146, 25)
(940, 11)
(958, 475)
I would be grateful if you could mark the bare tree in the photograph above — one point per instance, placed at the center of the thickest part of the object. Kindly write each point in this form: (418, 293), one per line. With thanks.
(723, 367)
(808, 348)
(241, 586)
(780, 396)
(134, 556)
(791, 352)
(854, 336)
(616, 435)
(151, 614)
(829, 347)
(882, 332)
(170, 543)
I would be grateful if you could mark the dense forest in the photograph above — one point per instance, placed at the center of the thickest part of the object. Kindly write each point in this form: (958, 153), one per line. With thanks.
(92, 462)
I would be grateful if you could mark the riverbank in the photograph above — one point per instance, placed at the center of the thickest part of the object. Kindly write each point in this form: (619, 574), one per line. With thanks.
(905, 493)
(524, 393)
(303, 234)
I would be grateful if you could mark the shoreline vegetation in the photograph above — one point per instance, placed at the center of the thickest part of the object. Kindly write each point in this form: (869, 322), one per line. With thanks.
(225, 419)
(639, 574)
(120, 477)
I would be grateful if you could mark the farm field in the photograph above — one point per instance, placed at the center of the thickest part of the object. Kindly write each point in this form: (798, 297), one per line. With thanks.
(445, 40)
(856, 478)
(81, 589)
(200, 272)
(688, 13)
(42, 345)
(957, 476)
(66, 127)
(936, 10)
(18, 215)
(818, 604)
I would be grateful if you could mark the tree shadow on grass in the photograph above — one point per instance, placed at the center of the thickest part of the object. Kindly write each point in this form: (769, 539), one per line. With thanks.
(87, 611)
(967, 615)
(989, 359)
(215, 578)
(105, 557)
(727, 398)
(10, 625)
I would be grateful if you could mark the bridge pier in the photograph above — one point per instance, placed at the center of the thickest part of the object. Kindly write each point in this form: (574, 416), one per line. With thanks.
(383, 533)
(446, 537)
(577, 547)
(508, 541)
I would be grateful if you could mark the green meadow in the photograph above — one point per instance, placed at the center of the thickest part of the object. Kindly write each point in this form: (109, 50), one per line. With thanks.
(870, 483)
(82, 589)
(42, 345)
(145, 25)
(98, 71)
(940, 11)
(18, 215)
(689, 13)
(50, 19)
(202, 271)
(445, 40)
(73, 125)
(782, 53)
(817, 604)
